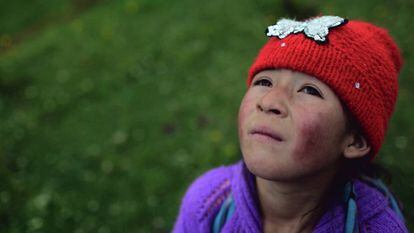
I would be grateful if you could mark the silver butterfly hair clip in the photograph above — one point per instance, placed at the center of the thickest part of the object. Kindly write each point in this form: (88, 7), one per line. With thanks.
(315, 28)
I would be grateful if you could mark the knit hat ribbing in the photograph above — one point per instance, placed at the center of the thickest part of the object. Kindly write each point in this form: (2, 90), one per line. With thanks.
(360, 63)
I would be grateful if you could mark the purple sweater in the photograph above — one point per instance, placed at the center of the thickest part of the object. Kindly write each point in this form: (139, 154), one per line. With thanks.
(205, 196)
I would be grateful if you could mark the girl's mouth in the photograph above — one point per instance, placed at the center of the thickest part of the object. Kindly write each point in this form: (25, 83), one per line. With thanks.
(265, 131)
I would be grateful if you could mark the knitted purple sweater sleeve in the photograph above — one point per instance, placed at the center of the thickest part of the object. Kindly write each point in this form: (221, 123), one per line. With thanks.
(202, 200)
(375, 215)
(386, 221)
(187, 220)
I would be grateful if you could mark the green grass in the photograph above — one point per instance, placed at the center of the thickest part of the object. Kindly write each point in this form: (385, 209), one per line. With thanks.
(109, 113)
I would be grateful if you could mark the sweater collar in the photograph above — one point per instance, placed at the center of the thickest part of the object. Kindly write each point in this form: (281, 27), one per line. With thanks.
(246, 199)
(369, 200)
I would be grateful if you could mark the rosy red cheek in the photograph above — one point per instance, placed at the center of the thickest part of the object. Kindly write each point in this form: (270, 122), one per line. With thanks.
(310, 138)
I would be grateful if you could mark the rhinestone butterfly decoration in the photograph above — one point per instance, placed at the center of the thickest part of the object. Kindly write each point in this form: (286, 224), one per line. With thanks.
(315, 28)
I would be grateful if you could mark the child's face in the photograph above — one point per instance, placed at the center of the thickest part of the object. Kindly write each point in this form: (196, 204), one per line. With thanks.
(306, 120)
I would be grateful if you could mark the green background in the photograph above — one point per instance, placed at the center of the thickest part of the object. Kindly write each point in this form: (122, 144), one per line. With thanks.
(109, 109)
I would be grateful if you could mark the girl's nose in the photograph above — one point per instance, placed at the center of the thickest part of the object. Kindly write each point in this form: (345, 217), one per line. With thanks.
(274, 102)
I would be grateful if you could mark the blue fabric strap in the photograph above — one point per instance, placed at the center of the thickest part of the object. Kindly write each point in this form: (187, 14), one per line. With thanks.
(351, 224)
(223, 216)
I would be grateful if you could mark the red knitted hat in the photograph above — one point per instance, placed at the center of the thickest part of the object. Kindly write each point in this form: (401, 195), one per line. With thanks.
(359, 61)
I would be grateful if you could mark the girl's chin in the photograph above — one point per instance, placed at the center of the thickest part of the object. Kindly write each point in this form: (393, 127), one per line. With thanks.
(274, 169)
(264, 167)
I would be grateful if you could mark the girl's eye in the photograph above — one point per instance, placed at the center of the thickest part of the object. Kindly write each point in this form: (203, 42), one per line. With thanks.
(311, 91)
(262, 82)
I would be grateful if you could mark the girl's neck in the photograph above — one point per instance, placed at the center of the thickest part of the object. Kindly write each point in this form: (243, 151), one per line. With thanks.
(288, 206)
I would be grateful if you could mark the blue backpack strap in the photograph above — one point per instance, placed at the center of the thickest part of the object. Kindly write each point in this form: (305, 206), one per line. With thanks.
(223, 216)
(351, 223)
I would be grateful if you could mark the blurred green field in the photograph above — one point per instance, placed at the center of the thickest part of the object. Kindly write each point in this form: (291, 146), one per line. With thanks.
(109, 109)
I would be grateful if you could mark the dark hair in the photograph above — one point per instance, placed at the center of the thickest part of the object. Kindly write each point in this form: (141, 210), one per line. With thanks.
(356, 168)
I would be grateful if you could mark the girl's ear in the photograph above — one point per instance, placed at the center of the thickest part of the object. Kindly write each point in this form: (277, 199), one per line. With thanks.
(356, 146)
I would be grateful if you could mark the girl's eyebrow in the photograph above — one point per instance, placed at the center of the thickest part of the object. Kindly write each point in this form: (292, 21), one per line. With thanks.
(261, 76)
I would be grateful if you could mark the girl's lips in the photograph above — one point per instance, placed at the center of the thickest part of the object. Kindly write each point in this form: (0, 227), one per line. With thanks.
(265, 131)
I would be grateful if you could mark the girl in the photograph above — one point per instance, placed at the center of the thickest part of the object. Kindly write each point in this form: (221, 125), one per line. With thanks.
(320, 95)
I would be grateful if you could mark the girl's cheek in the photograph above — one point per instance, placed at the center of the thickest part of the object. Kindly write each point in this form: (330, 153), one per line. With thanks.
(246, 109)
(312, 138)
